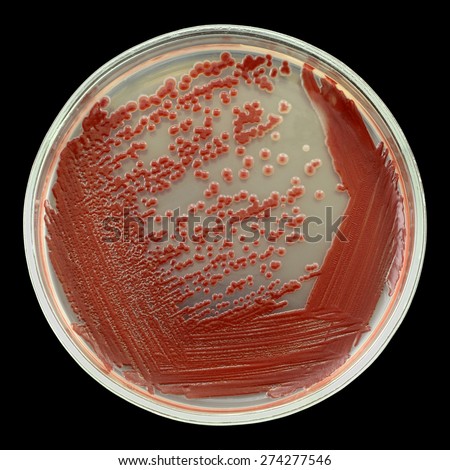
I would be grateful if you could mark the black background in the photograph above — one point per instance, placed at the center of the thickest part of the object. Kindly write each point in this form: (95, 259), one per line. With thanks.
(50, 402)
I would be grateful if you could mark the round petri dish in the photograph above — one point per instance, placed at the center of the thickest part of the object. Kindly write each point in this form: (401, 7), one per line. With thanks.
(224, 225)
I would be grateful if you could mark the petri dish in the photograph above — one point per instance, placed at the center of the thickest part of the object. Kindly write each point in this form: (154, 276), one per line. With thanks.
(224, 225)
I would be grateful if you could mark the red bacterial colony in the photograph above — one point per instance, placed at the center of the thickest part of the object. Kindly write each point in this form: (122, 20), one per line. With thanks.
(187, 317)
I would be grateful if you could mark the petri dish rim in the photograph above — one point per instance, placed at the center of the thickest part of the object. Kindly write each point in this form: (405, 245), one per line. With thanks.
(283, 43)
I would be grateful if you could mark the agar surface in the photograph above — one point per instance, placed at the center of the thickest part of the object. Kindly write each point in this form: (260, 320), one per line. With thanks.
(205, 314)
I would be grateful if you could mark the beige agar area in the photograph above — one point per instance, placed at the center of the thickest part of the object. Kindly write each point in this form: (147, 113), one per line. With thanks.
(299, 139)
